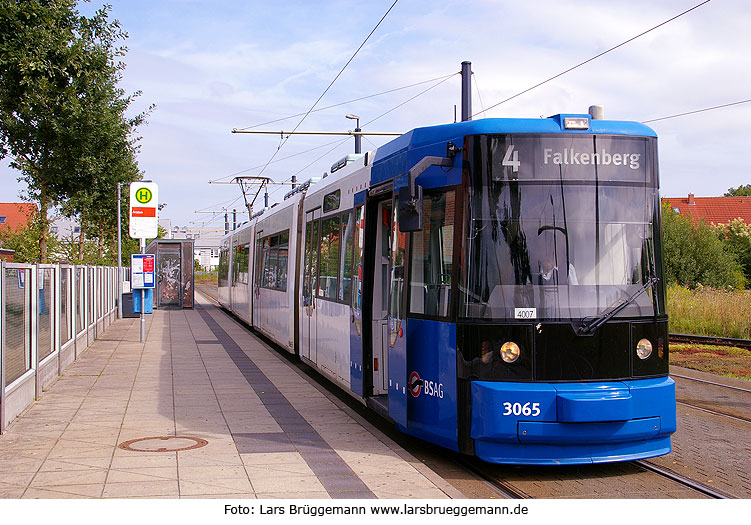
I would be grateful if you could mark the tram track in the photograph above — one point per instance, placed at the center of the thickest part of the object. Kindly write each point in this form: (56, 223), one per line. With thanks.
(494, 482)
(479, 469)
(713, 405)
(710, 340)
(686, 482)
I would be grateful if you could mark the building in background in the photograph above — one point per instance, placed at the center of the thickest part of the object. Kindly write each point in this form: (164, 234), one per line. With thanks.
(714, 210)
(15, 215)
(205, 243)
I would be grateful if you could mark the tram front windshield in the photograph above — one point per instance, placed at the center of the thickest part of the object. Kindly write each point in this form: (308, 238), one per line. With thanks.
(560, 227)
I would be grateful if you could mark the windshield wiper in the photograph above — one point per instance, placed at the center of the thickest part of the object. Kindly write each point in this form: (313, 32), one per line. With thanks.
(604, 318)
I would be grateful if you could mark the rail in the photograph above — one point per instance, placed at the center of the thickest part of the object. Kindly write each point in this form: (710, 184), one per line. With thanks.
(710, 340)
(49, 314)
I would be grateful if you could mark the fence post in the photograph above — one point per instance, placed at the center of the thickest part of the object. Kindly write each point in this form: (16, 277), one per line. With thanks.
(34, 340)
(57, 301)
(74, 308)
(2, 347)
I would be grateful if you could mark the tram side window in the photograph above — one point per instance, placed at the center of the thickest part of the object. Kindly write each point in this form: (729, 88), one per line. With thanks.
(398, 249)
(329, 262)
(432, 257)
(240, 266)
(260, 244)
(359, 227)
(223, 269)
(345, 259)
(273, 261)
(307, 275)
(281, 271)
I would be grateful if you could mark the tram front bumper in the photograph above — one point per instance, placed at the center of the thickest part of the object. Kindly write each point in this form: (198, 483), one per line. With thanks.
(544, 423)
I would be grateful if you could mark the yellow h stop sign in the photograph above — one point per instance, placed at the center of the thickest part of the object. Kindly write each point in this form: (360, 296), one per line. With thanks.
(143, 195)
(144, 214)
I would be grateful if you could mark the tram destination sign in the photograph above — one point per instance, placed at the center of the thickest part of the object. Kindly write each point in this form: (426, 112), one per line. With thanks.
(144, 210)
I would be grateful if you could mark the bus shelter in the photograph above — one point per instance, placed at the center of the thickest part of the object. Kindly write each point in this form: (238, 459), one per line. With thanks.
(174, 272)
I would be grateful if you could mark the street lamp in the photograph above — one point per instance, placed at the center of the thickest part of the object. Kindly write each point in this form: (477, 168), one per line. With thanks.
(358, 138)
(119, 255)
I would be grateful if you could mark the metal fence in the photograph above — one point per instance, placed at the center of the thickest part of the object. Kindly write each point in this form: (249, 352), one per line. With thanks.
(49, 314)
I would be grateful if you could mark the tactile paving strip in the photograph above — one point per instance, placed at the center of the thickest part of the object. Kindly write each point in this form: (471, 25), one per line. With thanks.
(332, 471)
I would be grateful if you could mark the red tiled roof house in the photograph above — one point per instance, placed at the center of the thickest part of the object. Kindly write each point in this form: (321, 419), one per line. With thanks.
(715, 210)
(15, 215)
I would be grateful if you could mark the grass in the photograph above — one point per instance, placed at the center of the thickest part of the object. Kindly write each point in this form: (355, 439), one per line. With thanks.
(707, 311)
(722, 360)
(206, 277)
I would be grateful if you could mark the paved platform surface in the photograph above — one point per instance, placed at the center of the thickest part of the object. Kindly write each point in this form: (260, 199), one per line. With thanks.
(269, 432)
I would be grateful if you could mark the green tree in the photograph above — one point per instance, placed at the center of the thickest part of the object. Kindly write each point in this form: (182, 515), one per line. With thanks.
(736, 236)
(695, 255)
(740, 191)
(24, 240)
(61, 114)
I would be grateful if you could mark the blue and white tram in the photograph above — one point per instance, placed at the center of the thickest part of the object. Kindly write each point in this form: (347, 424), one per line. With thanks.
(491, 286)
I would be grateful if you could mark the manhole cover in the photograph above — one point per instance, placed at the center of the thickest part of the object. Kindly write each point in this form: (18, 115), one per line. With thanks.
(163, 444)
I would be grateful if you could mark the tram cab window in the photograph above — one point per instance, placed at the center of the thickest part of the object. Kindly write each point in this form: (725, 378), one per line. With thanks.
(559, 237)
(432, 257)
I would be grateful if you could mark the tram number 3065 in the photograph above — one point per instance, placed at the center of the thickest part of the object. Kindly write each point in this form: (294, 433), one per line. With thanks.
(518, 409)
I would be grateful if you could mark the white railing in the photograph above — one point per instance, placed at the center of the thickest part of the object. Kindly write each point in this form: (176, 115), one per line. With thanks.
(50, 313)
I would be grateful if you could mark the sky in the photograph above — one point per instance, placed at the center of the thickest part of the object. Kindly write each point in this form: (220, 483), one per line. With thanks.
(214, 66)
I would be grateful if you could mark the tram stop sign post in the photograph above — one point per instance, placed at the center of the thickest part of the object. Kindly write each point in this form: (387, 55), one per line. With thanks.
(144, 213)
(143, 224)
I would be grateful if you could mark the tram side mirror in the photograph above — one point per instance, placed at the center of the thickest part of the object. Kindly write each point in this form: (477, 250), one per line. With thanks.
(410, 210)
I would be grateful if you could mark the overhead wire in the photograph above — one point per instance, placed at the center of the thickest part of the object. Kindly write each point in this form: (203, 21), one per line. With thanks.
(339, 143)
(342, 141)
(231, 201)
(479, 96)
(593, 58)
(697, 111)
(330, 84)
(349, 101)
(275, 161)
(410, 99)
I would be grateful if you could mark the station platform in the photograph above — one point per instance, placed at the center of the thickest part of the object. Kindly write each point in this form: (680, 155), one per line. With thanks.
(202, 409)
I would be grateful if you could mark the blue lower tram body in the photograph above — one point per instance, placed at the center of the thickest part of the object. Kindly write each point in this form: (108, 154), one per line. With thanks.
(572, 423)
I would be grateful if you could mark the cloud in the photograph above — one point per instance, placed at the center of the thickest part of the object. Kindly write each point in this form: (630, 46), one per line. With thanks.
(212, 67)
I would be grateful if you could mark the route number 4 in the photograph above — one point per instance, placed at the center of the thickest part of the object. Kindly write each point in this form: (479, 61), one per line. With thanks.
(511, 158)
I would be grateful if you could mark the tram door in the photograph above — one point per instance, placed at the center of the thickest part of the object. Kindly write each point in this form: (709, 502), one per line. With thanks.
(381, 299)
(254, 283)
(310, 285)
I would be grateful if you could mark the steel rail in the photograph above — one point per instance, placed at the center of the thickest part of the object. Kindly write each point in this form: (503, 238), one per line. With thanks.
(710, 340)
(682, 480)
(711, 382)
(502, 486)
(714, 412)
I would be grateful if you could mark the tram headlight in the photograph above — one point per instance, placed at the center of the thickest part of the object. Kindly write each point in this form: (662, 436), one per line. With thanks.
(510, 351)
(643, 348)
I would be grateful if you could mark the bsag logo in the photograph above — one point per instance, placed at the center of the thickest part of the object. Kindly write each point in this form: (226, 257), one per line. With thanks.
(417, 385)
